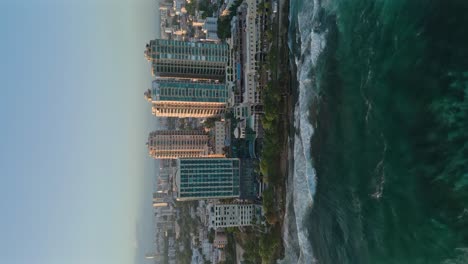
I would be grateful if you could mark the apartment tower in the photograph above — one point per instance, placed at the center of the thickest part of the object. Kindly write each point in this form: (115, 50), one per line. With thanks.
(181, 98)
(183, 59)
(173, 144)
(207, 178)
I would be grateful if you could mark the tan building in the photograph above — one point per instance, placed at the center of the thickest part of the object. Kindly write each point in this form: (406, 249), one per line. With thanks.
(177, 97)
(172, 144)
(187, 109)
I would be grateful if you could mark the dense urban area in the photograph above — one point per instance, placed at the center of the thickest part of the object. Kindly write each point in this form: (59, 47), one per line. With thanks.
(222, 100)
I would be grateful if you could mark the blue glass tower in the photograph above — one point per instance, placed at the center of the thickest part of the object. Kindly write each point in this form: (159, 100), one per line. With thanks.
(184, 90)
(184, 59)
(205, 178)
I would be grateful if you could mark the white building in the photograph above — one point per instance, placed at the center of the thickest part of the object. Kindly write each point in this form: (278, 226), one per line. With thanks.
(234, 215)
(220, 137)
(253, 46)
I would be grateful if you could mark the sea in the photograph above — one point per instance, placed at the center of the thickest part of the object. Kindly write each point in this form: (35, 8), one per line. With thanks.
(379, 172)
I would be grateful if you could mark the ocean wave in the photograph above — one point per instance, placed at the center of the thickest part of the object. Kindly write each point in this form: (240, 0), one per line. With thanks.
(302, 181)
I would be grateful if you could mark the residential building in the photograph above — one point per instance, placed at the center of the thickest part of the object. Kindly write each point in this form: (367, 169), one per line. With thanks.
(234, 215)
(210, 25)
(187, 109)
(184, 59)
(251, 46)
(172, 144)
(207, 178)
(187, 98)
(220, 240)
(220, 137)
(249, 183)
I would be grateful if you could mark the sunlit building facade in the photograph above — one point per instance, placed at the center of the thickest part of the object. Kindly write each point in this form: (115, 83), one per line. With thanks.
(187, 98)
(173, 144)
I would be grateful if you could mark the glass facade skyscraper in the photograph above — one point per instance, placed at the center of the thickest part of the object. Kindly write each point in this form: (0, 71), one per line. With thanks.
(172, 97)
(207, 178)
(188, 91)
(183, 59)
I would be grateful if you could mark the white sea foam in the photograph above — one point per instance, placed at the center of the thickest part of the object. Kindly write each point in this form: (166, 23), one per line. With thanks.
(302, 181)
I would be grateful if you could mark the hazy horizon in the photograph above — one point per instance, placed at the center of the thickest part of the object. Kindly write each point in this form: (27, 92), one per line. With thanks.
(77, 179)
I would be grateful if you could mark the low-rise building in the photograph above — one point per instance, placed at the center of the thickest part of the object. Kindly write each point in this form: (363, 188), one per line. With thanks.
(234, 215)
(220, 240)
(220, 137)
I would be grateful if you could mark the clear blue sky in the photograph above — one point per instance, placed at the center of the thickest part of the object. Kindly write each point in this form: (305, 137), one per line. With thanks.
(76, 180)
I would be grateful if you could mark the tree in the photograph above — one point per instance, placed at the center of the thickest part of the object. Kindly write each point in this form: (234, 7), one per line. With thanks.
(191, 7)
(210, 122)
(211, 235)
(224, 27)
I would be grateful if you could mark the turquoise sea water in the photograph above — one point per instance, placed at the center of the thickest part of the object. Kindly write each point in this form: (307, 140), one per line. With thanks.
(387, 95)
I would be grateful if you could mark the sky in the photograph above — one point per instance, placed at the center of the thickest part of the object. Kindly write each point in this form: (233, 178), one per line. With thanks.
(76, 179)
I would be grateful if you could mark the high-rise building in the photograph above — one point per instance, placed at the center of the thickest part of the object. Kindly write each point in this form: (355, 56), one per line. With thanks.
(234, 215)
(187, 109)
(172, 144)
(183, 59)
(206, 178)
(187, 98)
(161, 199)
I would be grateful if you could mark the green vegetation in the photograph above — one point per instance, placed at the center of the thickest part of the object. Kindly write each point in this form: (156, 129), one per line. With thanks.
(224, 27)
(270, 245)
(275, 124)
(224, 22)
(269, 206)
(187, 226)
(211, 235)
(274, 105)
(210, 122)
(262, 247)
(207, 8)
(230, 249)
(191, 7)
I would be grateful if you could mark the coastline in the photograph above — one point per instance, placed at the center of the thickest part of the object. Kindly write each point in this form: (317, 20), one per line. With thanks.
(338, 115)
(266, 245)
